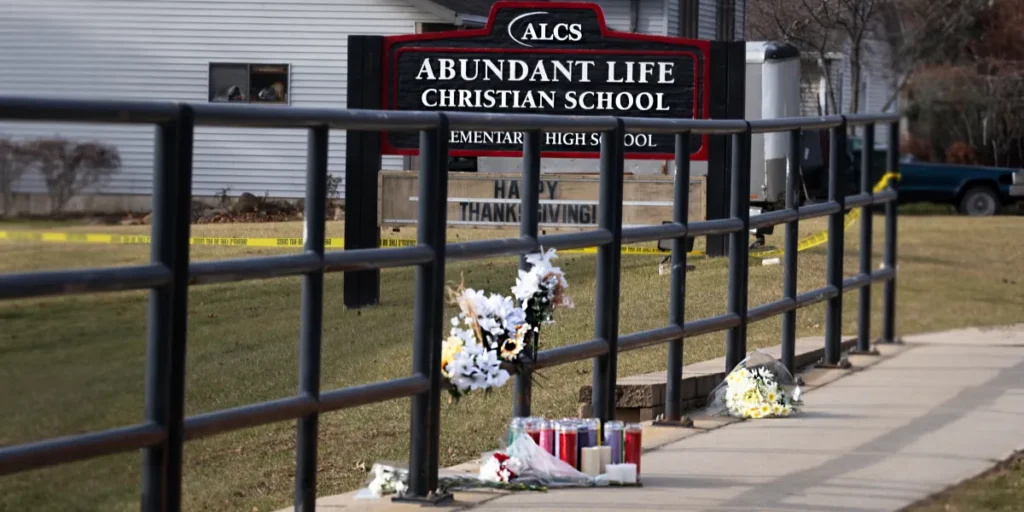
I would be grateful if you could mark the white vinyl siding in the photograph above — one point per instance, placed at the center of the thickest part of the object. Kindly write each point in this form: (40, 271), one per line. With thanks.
(652, 18)
(650, 21)
(672, 21)
(881, 82)
(161, 50)
(741, 20)
(708, 26)
(616, 13)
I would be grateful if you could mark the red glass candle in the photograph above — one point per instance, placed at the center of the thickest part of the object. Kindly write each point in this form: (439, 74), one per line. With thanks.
(533, 428)
(567, 444)
(535, 434)
(547, 436)
(633, 446)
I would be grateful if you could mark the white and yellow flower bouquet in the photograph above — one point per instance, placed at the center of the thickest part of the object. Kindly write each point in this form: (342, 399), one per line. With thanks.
(759, 387)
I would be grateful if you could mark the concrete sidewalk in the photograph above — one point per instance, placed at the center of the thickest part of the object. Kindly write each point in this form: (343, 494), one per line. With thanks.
(940, 409)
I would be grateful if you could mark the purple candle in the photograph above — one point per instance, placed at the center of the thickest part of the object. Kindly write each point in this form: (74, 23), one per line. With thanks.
(613, 439)
(594, 429)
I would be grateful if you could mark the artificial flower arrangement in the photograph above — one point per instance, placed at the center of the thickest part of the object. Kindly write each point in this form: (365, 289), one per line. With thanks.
(501, 468)
(522, 466)
(497, 471)
(492, 329)
(759, 387)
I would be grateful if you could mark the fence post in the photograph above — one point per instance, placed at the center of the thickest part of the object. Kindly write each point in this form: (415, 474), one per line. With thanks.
(739, 207)
(606, 314)
(440, 215)
(864, 294)
(834, 265)
(530, 188)
(167, 331)
(677, 288)
(889, 305)
(311, 328)
(156, 458)
(790, 255)
(425, 421)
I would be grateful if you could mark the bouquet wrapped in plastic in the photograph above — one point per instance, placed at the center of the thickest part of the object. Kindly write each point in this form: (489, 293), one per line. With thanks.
(523, 466)
(759, 387)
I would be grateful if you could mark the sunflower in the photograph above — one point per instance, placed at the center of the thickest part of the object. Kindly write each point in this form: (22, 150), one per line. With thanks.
(511, 347)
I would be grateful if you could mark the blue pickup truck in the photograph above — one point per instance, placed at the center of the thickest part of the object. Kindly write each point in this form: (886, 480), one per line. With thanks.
(971, 189)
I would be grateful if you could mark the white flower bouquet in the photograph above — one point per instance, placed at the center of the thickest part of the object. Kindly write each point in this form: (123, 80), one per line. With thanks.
(541, 289)
(491, 329)
(759, 387)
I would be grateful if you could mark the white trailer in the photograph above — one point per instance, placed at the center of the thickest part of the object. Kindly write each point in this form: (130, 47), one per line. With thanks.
(772, 92)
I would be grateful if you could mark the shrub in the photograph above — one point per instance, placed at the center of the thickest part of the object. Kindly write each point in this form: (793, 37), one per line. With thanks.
(14, 161)
(68, 168)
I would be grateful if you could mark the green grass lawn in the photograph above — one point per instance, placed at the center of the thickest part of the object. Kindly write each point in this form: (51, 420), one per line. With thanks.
(75, 364)
(999, 490)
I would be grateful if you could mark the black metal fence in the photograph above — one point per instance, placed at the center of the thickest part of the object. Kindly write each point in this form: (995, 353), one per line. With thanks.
(169, 274)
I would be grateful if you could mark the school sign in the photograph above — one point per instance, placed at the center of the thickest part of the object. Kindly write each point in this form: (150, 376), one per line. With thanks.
(546, 58)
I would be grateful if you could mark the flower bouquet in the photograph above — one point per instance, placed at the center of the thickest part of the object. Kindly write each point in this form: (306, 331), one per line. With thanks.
(759, 387)
(489, 329)
(493, 329)
(541, 289)
(523, 466)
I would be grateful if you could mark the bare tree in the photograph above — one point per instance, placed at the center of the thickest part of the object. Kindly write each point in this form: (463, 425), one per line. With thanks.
(857, 20)
(821, 27)
(936, 33)
(69, 168)
(807, 24)
(14, 161)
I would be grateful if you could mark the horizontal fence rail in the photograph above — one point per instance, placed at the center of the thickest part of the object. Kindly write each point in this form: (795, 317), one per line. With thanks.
(169, 274)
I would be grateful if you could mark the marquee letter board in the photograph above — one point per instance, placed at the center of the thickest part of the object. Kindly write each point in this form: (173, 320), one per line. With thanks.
(550, 58)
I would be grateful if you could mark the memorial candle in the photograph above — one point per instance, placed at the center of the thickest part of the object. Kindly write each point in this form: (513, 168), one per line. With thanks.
(590, 462)
(533, 425)
(547, 437)
(582, 438)
(567, 443)
(515, 428)
(594, 429)
(633, 445)
(613, 439)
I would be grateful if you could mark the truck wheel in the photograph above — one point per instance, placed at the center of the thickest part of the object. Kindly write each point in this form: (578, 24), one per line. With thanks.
(979, 202)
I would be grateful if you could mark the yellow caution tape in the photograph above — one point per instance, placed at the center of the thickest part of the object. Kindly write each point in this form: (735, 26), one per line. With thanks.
(338, 243)
(821, 237)
(331, 243)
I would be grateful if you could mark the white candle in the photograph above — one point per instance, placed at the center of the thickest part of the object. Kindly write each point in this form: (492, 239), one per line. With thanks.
(591, 463)
(622, 473)
(606, 457)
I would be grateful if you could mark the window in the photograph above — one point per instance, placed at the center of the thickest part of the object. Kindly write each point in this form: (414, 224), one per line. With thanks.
(689, 18)
(249, 83)
(437, 27)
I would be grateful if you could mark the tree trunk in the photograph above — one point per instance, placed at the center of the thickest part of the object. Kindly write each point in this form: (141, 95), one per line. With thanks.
(830, 92)
(855, 74)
